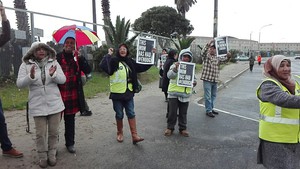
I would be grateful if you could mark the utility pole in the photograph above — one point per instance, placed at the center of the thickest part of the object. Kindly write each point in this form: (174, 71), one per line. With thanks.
(94, 17)
(215, 19)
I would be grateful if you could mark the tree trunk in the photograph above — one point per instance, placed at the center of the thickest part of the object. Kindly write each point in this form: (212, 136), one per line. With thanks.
(106, 19)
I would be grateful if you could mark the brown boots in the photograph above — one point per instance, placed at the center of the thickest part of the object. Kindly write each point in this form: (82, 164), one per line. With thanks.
(120, 131)
(132, 125)
(135, 137)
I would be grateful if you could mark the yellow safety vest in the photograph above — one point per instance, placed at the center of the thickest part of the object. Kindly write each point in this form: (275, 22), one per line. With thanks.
(118, 80)
(278, 124)
(173, 87)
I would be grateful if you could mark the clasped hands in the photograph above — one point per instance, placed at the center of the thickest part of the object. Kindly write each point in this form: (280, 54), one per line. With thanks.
(51, 71)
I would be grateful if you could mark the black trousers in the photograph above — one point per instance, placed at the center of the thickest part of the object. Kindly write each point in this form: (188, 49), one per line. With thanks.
(178, 110)
(251, 67)
(69, 129)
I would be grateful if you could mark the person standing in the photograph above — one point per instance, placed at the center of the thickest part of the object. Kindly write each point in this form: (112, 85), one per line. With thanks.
(6, 145)
(251, 61)
(122, 71)
(72, 91)
(171, 58)
(84, 78)
(259, 60)
(210, 76)
(279, 101)
(41, 73)
(162, 59)
(87, 111)
(179, 97)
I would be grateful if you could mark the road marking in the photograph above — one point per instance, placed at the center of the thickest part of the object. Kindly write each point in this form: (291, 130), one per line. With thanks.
(232, 114)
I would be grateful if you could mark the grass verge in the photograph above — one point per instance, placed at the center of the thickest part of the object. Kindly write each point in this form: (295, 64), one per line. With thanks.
(15, 99)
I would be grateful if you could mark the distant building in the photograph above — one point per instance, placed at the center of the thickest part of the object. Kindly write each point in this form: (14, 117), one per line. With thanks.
(246, 45)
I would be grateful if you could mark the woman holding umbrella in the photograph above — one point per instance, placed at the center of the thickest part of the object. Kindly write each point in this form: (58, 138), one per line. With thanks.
(72, 37)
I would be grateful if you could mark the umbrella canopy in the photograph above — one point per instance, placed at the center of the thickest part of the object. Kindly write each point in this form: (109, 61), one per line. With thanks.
(82, 35)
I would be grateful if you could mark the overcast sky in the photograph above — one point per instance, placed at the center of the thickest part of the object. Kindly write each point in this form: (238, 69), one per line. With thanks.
(238, 18)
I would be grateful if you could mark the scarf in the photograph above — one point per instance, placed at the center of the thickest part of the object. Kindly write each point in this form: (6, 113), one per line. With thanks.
(271, 68)
(41, 64)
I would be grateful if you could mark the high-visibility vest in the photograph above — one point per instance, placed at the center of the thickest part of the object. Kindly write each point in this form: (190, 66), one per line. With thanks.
(119, 80)
(279, 124)
(173, 87)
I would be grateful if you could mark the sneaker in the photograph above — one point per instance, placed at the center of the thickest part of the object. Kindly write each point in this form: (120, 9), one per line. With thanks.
(184, 133)
(168, 132)
(12, 153)
(43, 163)
(86, 113)
(214, 112)
(210, 114)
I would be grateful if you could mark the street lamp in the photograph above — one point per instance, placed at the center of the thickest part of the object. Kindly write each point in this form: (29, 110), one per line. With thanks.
(250, 44)
(259, 34)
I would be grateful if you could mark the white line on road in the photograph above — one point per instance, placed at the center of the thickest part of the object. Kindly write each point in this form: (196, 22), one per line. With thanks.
(232, 114)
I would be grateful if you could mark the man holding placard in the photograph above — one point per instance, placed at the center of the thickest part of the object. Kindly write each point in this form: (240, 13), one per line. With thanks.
(211, 71)
(182, 80)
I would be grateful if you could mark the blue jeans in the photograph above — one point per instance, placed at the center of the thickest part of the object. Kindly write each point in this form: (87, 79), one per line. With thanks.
(4, 140)
(120, 105)
(210, 94)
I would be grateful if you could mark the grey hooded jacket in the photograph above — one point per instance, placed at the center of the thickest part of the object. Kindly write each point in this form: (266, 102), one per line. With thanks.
(172, 74)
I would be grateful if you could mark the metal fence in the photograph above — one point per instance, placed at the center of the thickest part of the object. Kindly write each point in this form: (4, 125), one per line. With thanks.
(27, 27)
(34, 26)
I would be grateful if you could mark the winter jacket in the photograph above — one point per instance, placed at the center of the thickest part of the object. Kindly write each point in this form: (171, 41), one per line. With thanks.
(181, 93)
(165, 79)
(72, 91)
(110, 65)
(5, 35)
(44, 97)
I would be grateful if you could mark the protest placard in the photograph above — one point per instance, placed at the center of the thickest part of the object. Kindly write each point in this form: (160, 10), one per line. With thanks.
(186, 74)
(145, 53)
(221, 46)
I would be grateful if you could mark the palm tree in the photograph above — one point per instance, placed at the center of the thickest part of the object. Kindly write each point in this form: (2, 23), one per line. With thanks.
(22, 18)
(119, 33)
(106, 18)
(116, 35)
(183, 6)
(183, 42)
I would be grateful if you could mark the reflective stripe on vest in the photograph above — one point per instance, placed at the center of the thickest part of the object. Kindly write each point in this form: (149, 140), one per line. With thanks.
(118, 81)
(279, 120)
(279, 124)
